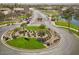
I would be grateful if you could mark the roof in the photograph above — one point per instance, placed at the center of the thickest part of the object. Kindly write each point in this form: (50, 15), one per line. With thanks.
(19, 9)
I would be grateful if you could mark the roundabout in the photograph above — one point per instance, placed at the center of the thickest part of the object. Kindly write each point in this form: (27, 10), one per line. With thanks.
(67, 44)
(33, 38)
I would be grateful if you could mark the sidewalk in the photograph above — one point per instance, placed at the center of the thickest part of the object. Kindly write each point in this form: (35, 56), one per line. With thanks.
(3, 25)
(6, 24)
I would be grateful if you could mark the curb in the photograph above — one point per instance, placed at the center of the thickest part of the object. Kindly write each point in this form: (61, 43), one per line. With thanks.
(67, 27)
(26, 50)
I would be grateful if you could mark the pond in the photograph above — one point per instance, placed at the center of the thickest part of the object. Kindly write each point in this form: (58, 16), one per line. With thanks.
(73, 21)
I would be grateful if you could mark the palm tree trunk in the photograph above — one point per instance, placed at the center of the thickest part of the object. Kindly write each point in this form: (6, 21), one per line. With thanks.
(69, 25)
(24, 31)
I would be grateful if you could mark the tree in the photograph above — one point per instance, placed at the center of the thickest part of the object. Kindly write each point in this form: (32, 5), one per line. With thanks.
(76, 12)
(28, 15)
(41, 33)
(67, 14)
(13, 34)
(77, 15)
(24, 25)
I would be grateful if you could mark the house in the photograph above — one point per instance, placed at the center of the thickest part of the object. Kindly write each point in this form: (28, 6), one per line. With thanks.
(5, 10)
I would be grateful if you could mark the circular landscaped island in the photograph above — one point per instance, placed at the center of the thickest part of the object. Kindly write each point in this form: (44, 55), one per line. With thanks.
(30, 37)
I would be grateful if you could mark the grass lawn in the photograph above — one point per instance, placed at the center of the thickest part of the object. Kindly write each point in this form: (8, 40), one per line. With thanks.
(23, 16)
(34, 28)
(77, 33)
(2, 23)
(63, 23)
(21, 42)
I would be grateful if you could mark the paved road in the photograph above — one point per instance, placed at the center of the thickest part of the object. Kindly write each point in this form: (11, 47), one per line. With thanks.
(3, 48)
(69, 44)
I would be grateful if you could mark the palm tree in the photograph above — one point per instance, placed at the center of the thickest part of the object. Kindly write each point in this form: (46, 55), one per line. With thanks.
(77, 15)
(24, 25)
(67, 14)
(76, 12)
(14, 32)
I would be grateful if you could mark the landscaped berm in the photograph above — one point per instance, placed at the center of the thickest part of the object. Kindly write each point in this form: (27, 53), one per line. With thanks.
(31, 37)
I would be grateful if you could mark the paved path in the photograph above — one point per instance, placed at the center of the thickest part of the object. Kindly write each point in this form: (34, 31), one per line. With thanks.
(69, 44)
